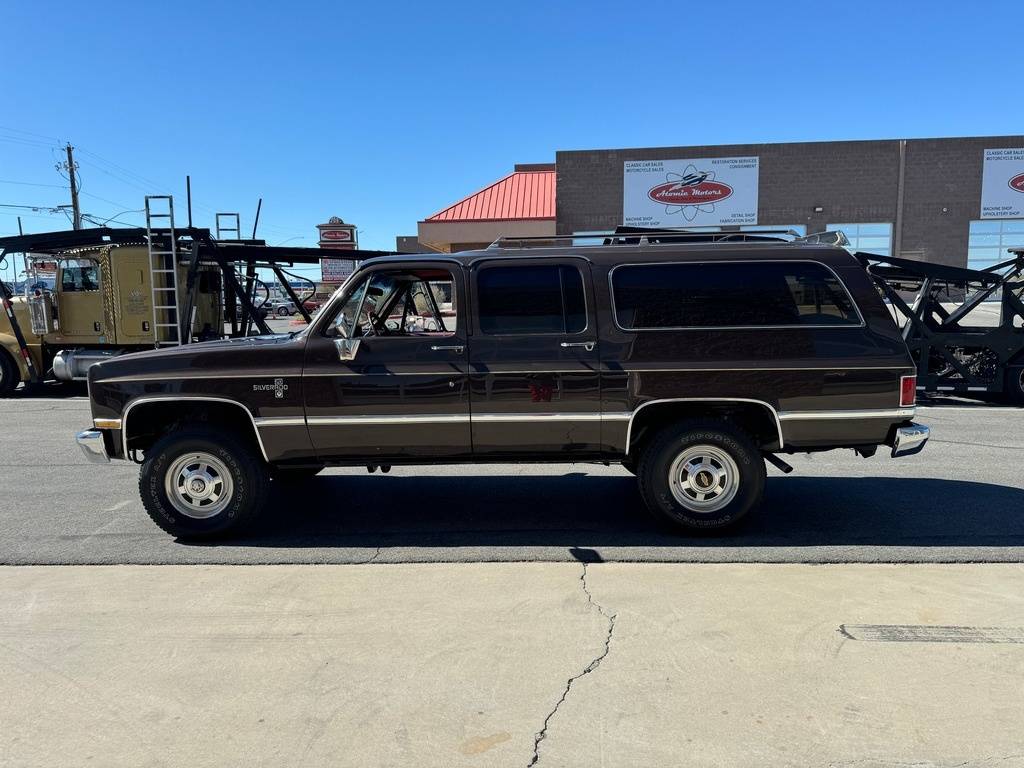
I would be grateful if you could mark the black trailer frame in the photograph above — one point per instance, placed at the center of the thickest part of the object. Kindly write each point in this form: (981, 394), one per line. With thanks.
(952, 356)
(199, 249)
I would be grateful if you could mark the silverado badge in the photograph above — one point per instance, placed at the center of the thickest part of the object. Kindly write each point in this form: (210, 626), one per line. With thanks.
(278, 388)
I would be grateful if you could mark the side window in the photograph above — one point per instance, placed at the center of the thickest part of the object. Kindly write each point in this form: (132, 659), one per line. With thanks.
(538, 298)
(79, 275)
(724, 295)
(406, 303)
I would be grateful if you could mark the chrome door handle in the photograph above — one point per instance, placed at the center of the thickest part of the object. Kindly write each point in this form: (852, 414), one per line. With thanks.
(451, 348)
(587, 345)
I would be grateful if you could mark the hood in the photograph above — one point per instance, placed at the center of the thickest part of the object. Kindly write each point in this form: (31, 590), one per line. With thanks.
(255, 355)
(205, 347)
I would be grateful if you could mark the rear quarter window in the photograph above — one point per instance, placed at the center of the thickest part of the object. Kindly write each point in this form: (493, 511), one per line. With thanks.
(730, 295)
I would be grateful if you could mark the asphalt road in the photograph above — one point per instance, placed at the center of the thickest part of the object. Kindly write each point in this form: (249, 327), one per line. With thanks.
(961, 500)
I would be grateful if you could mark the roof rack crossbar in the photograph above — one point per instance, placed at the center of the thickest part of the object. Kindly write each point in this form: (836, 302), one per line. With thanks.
(625, 236)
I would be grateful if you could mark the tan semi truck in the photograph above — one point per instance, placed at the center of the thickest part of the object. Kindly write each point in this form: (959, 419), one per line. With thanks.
(118, 290)
(101, 305)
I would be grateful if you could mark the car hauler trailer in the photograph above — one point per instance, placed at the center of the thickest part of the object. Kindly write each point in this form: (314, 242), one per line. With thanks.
(952, 353)
(120, 290)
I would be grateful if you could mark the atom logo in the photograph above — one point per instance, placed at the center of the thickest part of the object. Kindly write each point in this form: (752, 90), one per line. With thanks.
(690, 192)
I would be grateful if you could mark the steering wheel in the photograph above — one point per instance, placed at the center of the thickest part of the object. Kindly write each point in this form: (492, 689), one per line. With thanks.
(379, 327)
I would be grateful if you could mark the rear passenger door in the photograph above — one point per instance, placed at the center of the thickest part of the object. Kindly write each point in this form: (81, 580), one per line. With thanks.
(533, 358)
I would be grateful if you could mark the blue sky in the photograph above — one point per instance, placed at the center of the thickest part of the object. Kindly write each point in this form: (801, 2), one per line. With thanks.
(383, 113)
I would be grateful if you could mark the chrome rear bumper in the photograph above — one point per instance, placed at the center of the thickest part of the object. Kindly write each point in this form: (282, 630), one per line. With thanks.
(909, 439)
(91, 442)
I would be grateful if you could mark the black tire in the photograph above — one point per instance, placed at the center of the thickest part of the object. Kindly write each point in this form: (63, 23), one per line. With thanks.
(294, 475)
(1014, 386)
(247, 491)
(10, 376)
(630, 464)
(283, 311)
(732, 470)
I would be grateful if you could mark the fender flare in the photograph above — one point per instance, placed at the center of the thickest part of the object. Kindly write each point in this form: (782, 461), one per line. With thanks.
(183, 398)
(767, 406)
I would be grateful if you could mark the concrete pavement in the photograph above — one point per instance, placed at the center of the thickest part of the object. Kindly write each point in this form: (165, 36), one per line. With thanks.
(512, 665)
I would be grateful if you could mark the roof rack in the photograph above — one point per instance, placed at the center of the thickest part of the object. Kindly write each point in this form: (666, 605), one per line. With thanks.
(642, 236)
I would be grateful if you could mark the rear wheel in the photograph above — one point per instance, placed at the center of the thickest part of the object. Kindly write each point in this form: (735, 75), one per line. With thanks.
(1015, 385)
(200, 484)
(701, 475)
(9, 374)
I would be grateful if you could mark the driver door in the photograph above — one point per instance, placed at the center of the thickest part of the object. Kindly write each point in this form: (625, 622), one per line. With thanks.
(386, 378)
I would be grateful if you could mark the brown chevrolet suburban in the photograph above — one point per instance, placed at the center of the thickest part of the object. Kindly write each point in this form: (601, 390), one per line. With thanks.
(689, 359)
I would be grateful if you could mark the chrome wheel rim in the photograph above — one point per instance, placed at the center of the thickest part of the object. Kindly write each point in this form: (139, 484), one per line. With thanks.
(199, 485)
(704, 478)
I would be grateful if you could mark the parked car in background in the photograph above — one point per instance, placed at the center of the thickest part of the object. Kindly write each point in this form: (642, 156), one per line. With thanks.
(280, 307)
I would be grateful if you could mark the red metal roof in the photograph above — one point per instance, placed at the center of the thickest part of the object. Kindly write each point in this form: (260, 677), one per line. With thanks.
(520, 195)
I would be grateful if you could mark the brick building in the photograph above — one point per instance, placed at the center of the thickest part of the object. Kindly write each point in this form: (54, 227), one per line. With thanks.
(919, 198)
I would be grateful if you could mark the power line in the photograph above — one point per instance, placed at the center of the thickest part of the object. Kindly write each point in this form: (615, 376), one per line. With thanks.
(124, 180)
(31, 215)
(29, 133)
(25, 142)
(122, 206)
(31, 207)
(103, 223)
(33, 184)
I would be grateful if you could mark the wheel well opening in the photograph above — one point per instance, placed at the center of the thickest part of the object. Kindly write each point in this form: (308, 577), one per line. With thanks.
(148, 422)
(756, 419)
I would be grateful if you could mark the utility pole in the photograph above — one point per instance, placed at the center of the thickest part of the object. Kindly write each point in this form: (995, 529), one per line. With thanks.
(70, 167)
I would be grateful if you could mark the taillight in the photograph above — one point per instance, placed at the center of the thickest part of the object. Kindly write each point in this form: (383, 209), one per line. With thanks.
(908, 390)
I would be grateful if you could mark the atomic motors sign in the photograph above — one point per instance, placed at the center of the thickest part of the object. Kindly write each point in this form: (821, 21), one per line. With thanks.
(1002, 184)
(336, 235)
(712, 191)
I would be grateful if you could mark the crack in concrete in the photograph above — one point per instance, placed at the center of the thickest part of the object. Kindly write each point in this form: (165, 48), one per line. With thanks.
(594, 664)
(372, 559)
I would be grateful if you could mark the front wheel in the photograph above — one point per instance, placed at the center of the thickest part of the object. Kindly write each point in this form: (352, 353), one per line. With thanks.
(200, 484)
(701, 475)
(9, 374)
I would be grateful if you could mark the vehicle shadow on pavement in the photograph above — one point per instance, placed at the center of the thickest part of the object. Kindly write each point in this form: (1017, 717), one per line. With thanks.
(577, 509)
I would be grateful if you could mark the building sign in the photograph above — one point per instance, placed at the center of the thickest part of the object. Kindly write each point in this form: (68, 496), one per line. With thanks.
(711, 191)
(1002, 184)
(336, 235)
(336, 270)
(339, 235)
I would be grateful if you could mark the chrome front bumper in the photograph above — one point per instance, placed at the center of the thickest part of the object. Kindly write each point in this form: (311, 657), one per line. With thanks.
(909, 439)
(91, 442)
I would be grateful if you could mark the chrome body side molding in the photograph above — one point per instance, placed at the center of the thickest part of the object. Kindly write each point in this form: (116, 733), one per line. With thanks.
(774, 413)
(896, 413)
(190, 398)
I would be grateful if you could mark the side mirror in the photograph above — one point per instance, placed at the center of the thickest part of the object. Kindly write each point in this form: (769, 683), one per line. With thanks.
(347, 349)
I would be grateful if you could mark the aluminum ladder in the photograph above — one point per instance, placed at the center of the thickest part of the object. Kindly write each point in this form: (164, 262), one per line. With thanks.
(163, 270)
(225, 229)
